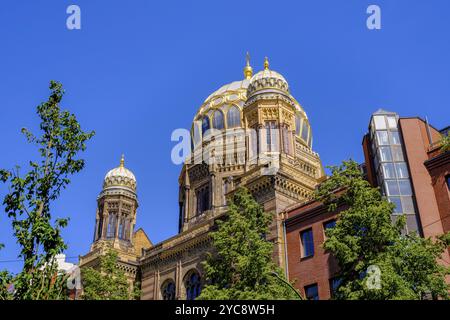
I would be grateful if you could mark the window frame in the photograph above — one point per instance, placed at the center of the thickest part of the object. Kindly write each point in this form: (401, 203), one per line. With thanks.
(312, 286)
(303, 246)
(215, 117)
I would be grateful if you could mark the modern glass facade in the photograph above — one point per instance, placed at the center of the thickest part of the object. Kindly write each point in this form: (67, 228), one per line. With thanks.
(390, 165)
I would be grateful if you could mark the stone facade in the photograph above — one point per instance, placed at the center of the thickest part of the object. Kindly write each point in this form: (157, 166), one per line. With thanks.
(250, 133)
(278, 173)
(114, 227)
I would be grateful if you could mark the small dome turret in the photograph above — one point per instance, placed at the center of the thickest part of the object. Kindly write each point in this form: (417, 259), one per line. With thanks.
(120, 177)
(267, 81)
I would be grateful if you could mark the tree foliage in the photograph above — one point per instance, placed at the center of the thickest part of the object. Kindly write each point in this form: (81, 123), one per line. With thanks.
(108, 281)
(365, 236)
(31, 193)
(241, 266)
(445, 142)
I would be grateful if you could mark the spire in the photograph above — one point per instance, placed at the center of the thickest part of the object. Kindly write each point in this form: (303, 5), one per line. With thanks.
(266, 63)
(248, 70)
(122, 161)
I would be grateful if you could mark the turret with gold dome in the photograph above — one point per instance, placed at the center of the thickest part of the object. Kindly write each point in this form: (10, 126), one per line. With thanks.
(120, 178)
(116, 207)
(272, 122)
(249, 133)
(115, 221)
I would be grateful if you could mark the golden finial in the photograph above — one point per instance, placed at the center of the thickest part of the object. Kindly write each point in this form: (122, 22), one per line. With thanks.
(122, 161)
(248, 70)
(266, 63)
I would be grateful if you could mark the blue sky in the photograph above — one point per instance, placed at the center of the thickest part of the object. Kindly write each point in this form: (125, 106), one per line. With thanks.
(139, 69)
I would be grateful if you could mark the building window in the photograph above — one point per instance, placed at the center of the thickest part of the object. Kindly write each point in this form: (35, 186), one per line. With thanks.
(100, 228)
(233, 117)
(196, 133)
(205, 125)
(395, 137)
(226, 187)
(380, 123)
(334, 285)
(254, 143)
(307, 242)
(297, 124)
(388, 171)
(392, 188)
(218, 120)
(168, 290)
(385, 154)
(271, 136)
(408, 205)
(312, 292)
(405, 187)
(287, 141)
(193, 286)
(398, 204)
(402, 170)
(392, 122)
(124, 229)
(112, 221)
(329, 224)
(121, 228)
(305, 129)
(203, 202)
(397, 153)
(382, 138)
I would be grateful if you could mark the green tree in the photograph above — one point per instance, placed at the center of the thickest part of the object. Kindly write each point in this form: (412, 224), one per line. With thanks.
(5, 281)
(108, 282)
(30, 195)
(445, 142)
(241, 266)
(365, 236)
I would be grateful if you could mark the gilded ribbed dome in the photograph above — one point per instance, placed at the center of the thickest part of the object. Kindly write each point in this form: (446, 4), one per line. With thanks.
(222, 109)
(267, 81)
(120, 177)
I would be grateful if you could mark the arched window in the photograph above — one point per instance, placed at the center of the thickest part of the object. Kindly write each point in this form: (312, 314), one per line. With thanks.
(127, 229)
(203, 201)
(124, 228)
(287, 140)
(233, 117)
(297, 124)
(305, 129)
(205, 125)
(254, 144)
(218, 120)
(193, 286)
(271, 136)
(112, 221)
(121, 228)
(100, 228)
(168, 290)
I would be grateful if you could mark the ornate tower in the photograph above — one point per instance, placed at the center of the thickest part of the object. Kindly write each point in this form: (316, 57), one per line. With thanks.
(115, 220)
(116, 209)
(281, 167)
(250, 133)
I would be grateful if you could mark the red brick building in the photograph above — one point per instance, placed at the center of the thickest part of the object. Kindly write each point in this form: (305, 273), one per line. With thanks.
(308, 264)
(438, 166)
(403, 159)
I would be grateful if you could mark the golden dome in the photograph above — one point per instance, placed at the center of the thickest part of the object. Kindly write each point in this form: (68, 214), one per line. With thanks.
(120, 177)
(267, 81)
(230, 97)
